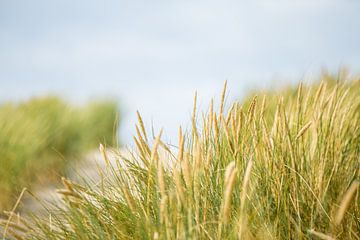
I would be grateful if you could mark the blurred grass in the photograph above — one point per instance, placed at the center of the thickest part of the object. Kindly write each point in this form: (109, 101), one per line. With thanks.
(39, 136)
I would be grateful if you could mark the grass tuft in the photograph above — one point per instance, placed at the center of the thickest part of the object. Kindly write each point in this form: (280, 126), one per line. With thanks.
(287, 168)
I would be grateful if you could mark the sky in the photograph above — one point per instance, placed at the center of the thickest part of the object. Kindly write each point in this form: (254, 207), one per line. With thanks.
(152, 56)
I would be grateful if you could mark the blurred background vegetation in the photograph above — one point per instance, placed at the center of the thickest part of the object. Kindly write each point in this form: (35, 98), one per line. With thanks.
(39, 137)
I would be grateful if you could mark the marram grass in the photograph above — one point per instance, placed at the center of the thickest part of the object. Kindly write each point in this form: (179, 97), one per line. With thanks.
(280, 166)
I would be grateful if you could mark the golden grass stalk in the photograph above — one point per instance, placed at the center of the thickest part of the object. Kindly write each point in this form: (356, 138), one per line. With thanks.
(211, 115)
(320, 235)
(142, 126)
(154, 154)
(251, 110)
(222, 100)
(227, 134)
(13, 225)
(163, 209)
(243, 195)
(161, 180)
(103, 154)
(67, 193)
(181, 146)
(245, 184)
(262, 109)
(12, 212)
(129, 199)
(303, 130)
(180, 191)
(216, 127)
(345, 202)
(186, 171)
(67, 184)
(193, 119)
(230, 179)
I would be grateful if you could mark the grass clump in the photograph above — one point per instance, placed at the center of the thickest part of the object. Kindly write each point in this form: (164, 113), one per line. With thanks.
(280, 166)
(38, 137)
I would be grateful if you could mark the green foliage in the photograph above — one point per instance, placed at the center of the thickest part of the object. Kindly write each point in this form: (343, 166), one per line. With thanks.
(38, 137)
(281, 167)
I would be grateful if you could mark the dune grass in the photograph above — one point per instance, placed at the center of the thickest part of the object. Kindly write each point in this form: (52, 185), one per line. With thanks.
(284, 165)
(38, 138)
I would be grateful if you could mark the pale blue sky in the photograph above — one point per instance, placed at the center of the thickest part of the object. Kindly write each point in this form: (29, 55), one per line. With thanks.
(153, 55)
